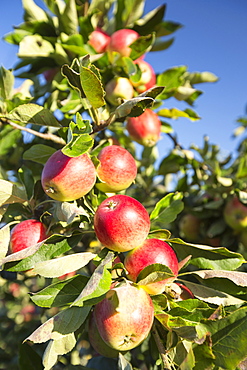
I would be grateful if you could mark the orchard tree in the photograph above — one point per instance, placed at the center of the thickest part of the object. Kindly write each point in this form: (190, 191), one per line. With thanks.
(112, 257)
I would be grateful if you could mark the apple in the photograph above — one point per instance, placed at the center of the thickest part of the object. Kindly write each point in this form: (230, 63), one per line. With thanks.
(68, 178)
(119, 88)
(121, 223)
(189, 227)
(124, 317)
(144, 129)
(148, 77)
(182, 293)
(150, 252)
(99, 40)
(26, 234)
(235, 214)
(121, 40)
(49, 74)
(97, 342)
(117, 169)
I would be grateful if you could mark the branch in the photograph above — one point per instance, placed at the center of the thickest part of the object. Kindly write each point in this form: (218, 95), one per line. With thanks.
(47, 136)
(161, 348)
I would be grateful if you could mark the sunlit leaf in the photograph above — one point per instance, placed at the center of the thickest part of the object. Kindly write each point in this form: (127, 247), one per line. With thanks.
(11, 193)
(39, 153)
(33, 113)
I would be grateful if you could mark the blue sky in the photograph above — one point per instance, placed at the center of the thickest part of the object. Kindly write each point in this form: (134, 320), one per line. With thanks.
(213, 38)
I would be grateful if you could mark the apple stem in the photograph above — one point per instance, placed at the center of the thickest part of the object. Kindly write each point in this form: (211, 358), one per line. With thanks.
(161, 348)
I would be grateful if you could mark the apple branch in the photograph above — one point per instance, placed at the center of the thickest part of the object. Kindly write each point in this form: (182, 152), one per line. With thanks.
(161, 348)
(46, 136)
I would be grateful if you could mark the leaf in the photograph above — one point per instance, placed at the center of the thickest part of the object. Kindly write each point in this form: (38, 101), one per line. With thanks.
(151, 20)
(4, 240)
(60, 293)
(67, 212)
(206, 257)
(33, 12)
(78, 145)
(162, 234)
(73, 78)
(92, 87)
(58, 347)
(62, 265)
(199, 77)
(237, 277)
(28, 358)
(11, 193)
(69, 18)
(6, 83)
(168, 208)
(33, 113)
(38, 153)
(153, 273)
(65, 322)
(142, 45)
(34, 46)
(133, 107)
(123, 364)
(98, 284)
(175, 113)
(213, 296)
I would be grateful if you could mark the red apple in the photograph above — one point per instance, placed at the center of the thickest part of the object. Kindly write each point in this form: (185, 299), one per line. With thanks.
(235, 214)
(148, 77)
(68, 178)
(49, 74)
(26, 234)
(189, 227)
(97, 342)
(117, 169)
(119, 88)
(125, 317)
(121, 40)
(150, 252)
(99, 40)
(121, 223)
(145, 129)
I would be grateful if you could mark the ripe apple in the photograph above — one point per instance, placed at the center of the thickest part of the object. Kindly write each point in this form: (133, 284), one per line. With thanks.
(49, 74)
(124, 317)
(68, 178)
(121, 223)
(99, 40)
(148, 77)
(150, 252)
(117, 169)
(26, 234)
(119, 88)
(145, 129)
(97, 342)
(121, 40)
(235, 214)
(189, 227)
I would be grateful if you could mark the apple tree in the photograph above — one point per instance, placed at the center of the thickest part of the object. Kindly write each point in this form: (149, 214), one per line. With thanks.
(111, 256)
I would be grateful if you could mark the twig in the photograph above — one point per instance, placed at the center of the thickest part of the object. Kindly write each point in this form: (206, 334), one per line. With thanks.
(47, 136)
(161, 348)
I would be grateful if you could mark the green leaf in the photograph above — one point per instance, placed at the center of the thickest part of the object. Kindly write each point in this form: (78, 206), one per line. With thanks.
(168, 208)
(133, 107)
(151, 20)
(6, 83)
(206, 257)
(57, 347)
(65, 322)
(123, 364)
(142, 45)
(4, 240)
(175, 113)
(98, 284)
(200, 77)
(26, 177)
(69, 18)
(128, 11)
(92, 87)
(79, 144)
(62, 265)
(73, 78)
(237, 277)
(171, 78)
(39, 153)
(34, 46)
(61, 293)
(11, 193)
(153, 273)
(162, 234)
(33, 12)
(33, 113)
(29, 358)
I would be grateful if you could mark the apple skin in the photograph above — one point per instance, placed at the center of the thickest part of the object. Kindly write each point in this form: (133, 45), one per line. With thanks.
(26, 234)
(150, 252)
(235, 214)
(189, 227)
(144, 129)
(125, 317)
(99, 40)
(148, 78)
(121, 223)
(68, 178)
(117, 169)
(119, 88)
(97, 342)
(121, 40)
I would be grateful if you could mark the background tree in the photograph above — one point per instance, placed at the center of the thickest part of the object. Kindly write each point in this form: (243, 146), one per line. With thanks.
(81, 94)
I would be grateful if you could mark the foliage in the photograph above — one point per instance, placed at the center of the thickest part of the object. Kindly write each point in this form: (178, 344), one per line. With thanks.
(62, 104)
